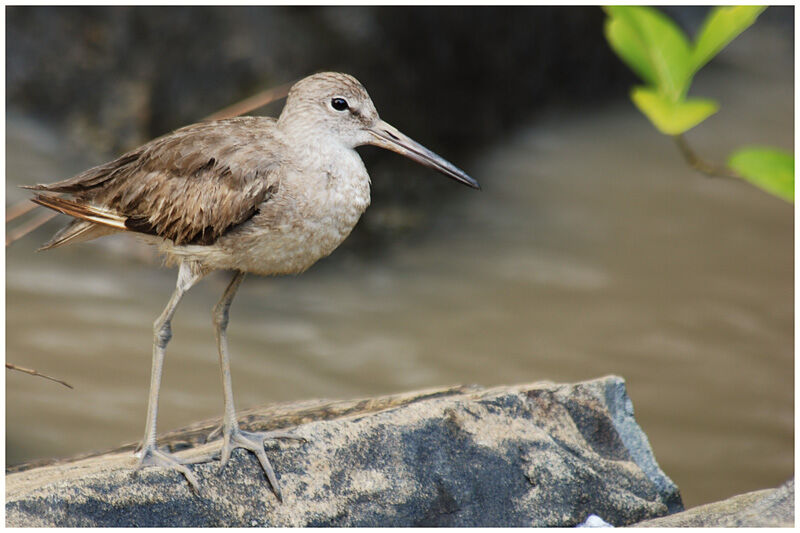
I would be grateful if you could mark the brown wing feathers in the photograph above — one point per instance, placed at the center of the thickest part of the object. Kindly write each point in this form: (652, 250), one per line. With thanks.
(93, 177)
(191, 186)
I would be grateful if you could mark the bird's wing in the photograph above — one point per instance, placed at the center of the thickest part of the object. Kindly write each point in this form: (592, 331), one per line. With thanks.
(190, 186)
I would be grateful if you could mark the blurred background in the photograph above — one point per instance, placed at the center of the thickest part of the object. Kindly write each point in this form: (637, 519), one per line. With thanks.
(592, 249)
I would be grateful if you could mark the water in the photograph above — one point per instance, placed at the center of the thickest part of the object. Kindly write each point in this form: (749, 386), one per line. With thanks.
(592, 250)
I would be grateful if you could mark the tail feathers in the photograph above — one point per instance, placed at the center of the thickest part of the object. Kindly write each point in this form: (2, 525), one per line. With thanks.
(92, 221)
(37, 187)
(90, 213)
(77, 231)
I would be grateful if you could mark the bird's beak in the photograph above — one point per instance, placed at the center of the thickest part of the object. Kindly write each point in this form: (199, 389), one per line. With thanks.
(389, 137)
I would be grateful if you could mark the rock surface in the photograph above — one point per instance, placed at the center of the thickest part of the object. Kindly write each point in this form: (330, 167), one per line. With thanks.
(531, 455)
(762, 508)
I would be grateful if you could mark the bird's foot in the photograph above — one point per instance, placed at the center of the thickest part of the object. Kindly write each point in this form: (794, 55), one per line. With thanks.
(254, 442)
(152, 456)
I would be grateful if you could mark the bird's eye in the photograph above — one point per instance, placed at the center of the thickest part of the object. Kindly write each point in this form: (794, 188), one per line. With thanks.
(339, 104)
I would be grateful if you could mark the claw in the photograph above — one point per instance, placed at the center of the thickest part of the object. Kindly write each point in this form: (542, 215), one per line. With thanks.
(151, 456)
(254, 442)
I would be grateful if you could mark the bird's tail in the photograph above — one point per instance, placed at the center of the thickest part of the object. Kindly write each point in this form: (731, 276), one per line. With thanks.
(91, 221)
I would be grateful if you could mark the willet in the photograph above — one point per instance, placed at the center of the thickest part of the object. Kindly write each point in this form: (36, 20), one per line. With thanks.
(247, 194)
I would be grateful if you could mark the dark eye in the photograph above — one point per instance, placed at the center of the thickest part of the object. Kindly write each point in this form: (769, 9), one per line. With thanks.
(339, 104)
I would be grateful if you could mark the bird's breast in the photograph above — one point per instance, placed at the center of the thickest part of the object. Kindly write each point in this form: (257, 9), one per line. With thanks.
(309, 215)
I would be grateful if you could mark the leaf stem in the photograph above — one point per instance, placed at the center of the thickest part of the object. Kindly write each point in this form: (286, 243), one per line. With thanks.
(36, 373)
(696, 162)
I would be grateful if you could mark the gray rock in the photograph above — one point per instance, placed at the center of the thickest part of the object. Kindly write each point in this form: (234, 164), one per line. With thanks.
(762, 508)
(531, 455)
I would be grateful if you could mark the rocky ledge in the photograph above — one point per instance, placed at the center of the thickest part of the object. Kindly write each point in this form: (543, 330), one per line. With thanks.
(761, 508)
(541, 454)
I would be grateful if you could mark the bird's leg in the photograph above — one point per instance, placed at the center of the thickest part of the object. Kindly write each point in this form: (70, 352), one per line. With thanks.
(232, 436)
(149, 454)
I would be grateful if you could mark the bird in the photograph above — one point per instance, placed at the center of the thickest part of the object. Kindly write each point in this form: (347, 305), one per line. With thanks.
(247, 195)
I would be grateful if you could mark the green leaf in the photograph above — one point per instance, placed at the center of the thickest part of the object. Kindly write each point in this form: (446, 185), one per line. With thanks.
(672, 118)
(627, 44)
(653, 46)
(722, 25)
(768, 168)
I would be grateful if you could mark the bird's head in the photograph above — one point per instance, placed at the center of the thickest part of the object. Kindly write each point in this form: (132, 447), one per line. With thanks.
(337, 105)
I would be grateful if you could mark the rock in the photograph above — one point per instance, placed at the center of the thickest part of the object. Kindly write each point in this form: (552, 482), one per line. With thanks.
(541, 454)
(762, 508)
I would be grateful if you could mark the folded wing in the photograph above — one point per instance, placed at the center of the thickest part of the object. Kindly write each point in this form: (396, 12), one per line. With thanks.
(190, 186)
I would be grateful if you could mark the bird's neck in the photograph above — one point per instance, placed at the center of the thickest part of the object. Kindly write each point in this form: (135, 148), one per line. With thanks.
(311, 148)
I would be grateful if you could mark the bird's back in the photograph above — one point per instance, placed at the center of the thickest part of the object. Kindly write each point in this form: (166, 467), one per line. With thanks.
(190, 186)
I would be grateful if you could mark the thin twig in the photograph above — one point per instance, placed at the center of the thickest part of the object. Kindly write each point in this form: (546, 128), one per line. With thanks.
(29, 226)
(254, 102)
(36, 373)
(709, 169)
(19, 209)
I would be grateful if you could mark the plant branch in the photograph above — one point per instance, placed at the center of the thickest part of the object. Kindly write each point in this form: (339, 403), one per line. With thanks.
(36, 373)
(709, 169)
(19, 209)
(14, 235)
(254, 102)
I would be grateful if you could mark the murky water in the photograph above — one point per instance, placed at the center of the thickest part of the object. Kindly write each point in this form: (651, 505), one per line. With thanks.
(591, 251)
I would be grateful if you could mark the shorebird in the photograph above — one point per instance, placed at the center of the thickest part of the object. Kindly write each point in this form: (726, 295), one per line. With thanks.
(246, 194)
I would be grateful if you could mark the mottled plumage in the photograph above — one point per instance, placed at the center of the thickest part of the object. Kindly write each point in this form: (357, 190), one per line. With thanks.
(222, 171)
(247, 194)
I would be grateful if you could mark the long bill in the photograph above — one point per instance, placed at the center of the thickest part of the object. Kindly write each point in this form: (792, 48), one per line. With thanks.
(389, 137)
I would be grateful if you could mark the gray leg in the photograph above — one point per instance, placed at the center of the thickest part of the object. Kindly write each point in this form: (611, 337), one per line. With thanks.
(150, 455)
(220, 316)
(232, 436)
